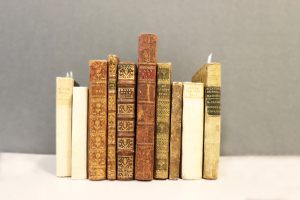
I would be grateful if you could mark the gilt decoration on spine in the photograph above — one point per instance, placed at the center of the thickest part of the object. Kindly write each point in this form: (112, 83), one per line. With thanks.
(97, 127)
(126, 120)
(163, 97)
(112, 61)
(146, 92)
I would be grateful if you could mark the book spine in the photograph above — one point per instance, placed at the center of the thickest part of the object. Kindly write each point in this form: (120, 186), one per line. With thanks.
(97, 127)
(113, 61)
(79, 133)
(64, 91)
(163, 97)
(212, 130)
(175, 137)
(126, 120)
(146, 92)
(192, 130)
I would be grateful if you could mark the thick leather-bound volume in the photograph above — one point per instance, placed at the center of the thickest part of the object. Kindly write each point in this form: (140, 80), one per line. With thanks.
(146, 92)
(163, 97)
(210, 75)
(97, 127)
(175, 137)
(64, 92)
(192, 130)
(113, 61)
(126, 120)
(79, 133)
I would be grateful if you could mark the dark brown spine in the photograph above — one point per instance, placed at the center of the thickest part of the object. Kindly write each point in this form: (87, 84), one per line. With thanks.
(97, 127)
(113, 61)
(176, 130)
(146, 91)
(126, 120)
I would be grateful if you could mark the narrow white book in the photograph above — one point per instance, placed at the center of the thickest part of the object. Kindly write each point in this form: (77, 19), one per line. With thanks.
(64, 91)
(192, 130)
(79, 133)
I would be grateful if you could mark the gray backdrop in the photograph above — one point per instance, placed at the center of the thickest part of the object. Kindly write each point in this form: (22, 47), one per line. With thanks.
(257, 42)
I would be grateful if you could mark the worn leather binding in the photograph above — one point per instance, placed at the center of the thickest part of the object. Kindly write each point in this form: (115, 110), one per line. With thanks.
(176, 131)
(97, 127)
(145, 122)
(210, 75)
(163, 97)
(113, 61)
(126, 120)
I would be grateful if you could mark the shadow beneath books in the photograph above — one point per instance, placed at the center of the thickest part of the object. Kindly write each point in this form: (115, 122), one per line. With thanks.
(47, 164)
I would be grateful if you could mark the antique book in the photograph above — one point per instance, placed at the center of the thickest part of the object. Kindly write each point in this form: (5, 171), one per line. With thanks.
(192, 130)
(64, 91)
(146, 92)
(79, 133)
(210, 75)
(113, 61)
(163, 111)
(175, 137)
(126, 120)
(97, 127)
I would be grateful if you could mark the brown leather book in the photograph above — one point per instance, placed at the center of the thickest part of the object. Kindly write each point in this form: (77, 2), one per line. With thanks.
(113, 61)
(176, 131)
(146, 92)
(162, 135)
(126, 120)
(97, 127)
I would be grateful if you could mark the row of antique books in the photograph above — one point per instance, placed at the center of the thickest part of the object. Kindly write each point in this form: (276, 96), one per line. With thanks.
(132, 122)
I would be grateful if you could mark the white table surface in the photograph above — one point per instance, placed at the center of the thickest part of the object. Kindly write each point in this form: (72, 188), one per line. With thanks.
(30, 176)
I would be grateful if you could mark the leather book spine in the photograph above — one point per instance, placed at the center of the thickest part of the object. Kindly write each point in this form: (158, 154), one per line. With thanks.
(79, 133)
(126, 120)
(176, 131)
(113, 61)
(97, 127)
(210, 75)
(146, 92)
(163, 111)
(192, 130)
(64, 92)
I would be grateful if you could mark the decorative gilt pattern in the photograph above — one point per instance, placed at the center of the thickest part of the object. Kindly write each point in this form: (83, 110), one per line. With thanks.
(146, 93)
(113, 61)
(126, 120)
(97, 120)
(175, 138)
(210, 75)
(163, 93)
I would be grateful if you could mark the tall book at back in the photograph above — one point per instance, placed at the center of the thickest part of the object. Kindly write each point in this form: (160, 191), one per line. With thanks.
(146, 92)
(210, 75)
(163, 97)
(97, 127)
(113, 61)
(126, 120)
(192, 130)
(175, 137)
(79, 133)
(64, 91)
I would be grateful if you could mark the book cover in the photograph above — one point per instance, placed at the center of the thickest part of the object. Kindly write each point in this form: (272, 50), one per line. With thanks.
(79, 133)
(113, 61)
(163, 111)
(97, 127)
(210, 75)
(192, 130)
(64, 92)
(176, 131)
(146, 92)
(126, 120)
